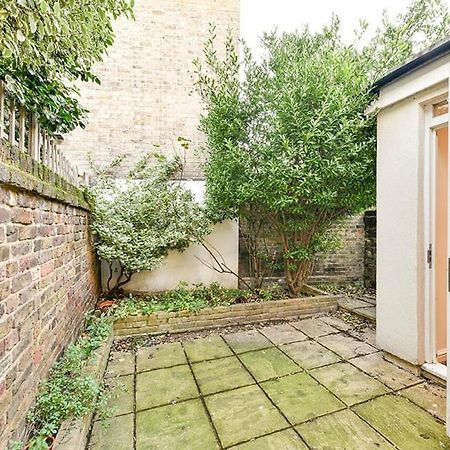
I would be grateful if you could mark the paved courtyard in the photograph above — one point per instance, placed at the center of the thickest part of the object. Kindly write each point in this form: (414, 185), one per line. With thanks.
(309, 384)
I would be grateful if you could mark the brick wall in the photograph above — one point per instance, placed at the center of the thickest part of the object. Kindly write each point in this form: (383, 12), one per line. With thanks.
(370, 249)
(345, 264)
(146, 97)
(48, 280)
(342, 265)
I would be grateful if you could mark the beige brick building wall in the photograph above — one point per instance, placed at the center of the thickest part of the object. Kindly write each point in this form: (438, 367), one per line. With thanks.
(146, 97)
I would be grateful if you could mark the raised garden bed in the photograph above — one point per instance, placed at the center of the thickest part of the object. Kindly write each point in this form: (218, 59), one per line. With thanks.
(318, 302)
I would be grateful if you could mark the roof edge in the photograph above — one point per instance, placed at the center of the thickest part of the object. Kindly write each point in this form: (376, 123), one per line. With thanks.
(419, 60)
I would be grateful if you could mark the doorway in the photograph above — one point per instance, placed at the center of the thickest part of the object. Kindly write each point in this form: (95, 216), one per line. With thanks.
(438, 262)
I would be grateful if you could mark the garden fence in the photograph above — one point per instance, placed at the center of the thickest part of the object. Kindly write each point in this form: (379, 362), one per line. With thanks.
(21, 134)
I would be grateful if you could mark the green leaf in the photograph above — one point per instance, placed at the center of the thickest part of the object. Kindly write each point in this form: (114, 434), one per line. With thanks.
(57, 8)
(32, 24)
(43, 6)
(20, 36)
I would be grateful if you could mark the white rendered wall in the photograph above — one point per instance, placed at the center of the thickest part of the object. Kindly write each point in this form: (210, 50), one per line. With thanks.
(398, 265)
(191, 266)
(401, 209)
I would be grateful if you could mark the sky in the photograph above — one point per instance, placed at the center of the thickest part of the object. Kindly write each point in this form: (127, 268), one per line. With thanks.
(258, 16)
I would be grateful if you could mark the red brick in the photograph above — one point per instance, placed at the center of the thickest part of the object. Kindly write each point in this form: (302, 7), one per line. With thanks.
(23, 216)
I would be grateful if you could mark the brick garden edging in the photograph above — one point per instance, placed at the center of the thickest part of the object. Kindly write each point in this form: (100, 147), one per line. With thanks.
(221, 316)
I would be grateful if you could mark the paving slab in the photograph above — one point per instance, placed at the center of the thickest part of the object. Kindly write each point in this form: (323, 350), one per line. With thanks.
(120, 363)
(281, 440)
(163, 386)
(404, 423)
(310, 354)
(342, 430)
(384, 371)
(268, 363)
(211, 347)
(181, 426)
(243, 414)
(369, 312)
(346, 346)
(352, 303)
(314, 327)
(283, 334)
(336, 323)
(220, 375)
(348, 383)
(246, 341)
(300, 397)
(429, 396)
(122, 401)
(160, 356)
(116, 433)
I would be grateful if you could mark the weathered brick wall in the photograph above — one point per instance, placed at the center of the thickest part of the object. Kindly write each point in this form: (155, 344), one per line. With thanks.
(146, 97)
(370, 249)
(342, 265)
(48, 280)
(345, 264)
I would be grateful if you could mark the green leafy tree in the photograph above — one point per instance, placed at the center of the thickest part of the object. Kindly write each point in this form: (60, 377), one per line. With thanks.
(138, 220)
(46, 45)
(289, 144)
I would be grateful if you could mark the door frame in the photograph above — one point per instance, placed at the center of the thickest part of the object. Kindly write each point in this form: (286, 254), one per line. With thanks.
(430, 155)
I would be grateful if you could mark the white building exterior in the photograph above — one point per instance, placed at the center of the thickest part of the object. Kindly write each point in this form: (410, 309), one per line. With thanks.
(413, 211)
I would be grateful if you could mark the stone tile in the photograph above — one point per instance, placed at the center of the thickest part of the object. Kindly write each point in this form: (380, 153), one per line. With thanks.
(310, 354)
(346, 346)
(314, 327)
(342, 430)
(348, 383)
(351, 303)
(211, 347)
(243, 414)
(369, 312)
(246, 341)
(118, 430)
(220, 375)
(176, 427)
(160, 356)
(366, 334)
(389, 374)
(282, 334)
(429, 396)
(120, 363)
(337, 323)
(163, 386)
(281, 440)
(268, 363)
(300, 397)
(122, 401)
(369, 299)
(404, 424)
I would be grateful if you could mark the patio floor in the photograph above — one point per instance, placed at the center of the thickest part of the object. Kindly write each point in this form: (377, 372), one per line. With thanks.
(305, 384)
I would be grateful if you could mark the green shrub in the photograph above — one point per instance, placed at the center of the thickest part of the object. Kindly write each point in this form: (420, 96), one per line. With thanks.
(182, 298)
(138, 221)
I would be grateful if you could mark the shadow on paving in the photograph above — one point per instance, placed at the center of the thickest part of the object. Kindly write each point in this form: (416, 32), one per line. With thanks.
(308, 384)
